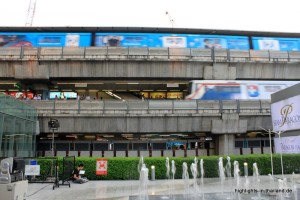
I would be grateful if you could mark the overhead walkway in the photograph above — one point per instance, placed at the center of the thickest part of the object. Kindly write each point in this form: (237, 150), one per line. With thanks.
(155, 116)
(46, 66)
(134, 53)
(223, 119)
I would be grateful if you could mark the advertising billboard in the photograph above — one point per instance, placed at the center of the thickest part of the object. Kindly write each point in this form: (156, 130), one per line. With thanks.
(171, 40)
(21, 95)
(286, 114)
(62, 95)
(279, 44)
(11, 39)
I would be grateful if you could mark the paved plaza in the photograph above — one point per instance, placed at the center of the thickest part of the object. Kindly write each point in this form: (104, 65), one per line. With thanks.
(212, 189)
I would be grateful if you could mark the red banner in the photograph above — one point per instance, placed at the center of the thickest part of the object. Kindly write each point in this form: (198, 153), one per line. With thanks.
(101, 167)
(21, 95)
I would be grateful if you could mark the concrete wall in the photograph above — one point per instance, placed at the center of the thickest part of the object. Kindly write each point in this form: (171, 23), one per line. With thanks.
(147, 69)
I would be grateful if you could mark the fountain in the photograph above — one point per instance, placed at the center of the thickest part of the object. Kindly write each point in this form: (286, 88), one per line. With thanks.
(196, 163)
(143, 187)
(254, 187)
(272, 183)
(185, 178)
(221, 174)
(256, 179)
(286, 188)
(228, 174)
(194, 170)
(201, 177)
(228, 167)
(280, 186)
(168, 168)
(236, 174)
(194, 173)
(173, 169)
(294, 186)
(247, 183)
(141, 162)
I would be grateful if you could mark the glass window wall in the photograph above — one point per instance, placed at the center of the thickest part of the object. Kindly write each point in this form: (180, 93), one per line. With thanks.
(18, 122)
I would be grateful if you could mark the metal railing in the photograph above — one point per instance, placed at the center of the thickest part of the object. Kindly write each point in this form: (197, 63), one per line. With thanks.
(134, 53)
(209, 107)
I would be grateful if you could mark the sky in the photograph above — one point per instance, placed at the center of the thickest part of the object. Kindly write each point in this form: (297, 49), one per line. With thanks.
(249, 15)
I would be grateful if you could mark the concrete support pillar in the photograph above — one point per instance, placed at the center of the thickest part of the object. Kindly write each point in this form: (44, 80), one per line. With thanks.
(226, 144)
(41, 89)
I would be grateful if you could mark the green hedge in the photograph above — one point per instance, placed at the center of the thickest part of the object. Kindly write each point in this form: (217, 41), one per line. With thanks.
(121, 168)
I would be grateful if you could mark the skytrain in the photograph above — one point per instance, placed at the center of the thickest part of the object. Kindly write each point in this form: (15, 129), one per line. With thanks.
(151, 40)
(234, 90)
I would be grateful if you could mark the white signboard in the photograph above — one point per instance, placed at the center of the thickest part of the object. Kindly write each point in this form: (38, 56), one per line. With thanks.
(288, 144)
(32, 170)
(286, 114)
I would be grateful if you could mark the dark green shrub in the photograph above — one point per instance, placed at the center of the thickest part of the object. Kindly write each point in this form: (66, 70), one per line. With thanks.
(126, 168)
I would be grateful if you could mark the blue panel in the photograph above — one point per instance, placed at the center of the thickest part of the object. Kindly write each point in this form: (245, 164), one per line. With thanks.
(171, 40)
(45, 39)
(221, 92)
(280, 44)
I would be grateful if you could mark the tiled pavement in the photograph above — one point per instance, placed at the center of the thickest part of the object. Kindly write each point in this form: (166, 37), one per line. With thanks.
(163, 189)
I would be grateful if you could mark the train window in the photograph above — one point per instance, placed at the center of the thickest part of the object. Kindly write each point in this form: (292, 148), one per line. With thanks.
(272, 88)
(228, 88)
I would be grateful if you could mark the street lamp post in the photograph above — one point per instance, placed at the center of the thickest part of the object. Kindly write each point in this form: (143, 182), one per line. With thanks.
(52, 144)
(53, 125)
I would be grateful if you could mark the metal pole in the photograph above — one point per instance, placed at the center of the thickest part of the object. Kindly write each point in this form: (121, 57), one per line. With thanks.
(279, 133)
(153, 173)
(52, 143)
(245, 169)
(271, 153)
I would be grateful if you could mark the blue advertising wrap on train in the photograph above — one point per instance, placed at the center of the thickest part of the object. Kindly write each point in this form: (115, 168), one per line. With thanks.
(171, 40)
(17, 39)
(274, 43)
(234, 89)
